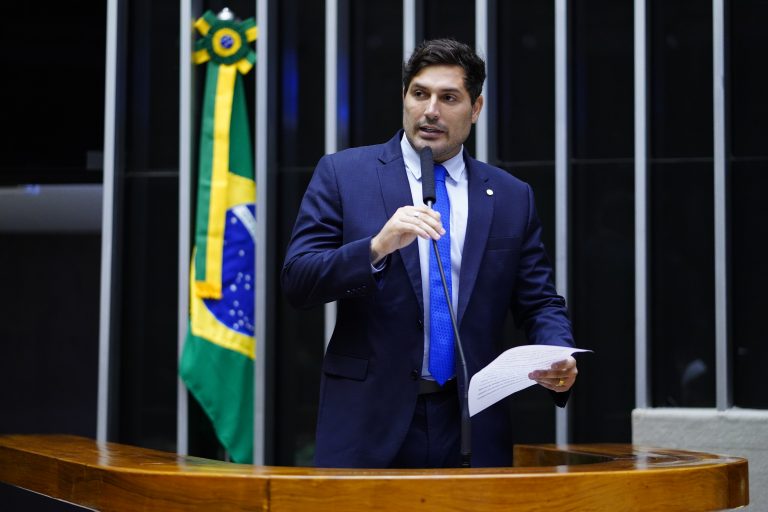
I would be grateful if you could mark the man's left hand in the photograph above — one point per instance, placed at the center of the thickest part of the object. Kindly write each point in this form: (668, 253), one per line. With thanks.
(559, 377)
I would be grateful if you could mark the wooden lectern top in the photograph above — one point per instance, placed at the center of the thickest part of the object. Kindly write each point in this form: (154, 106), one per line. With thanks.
(595, 477)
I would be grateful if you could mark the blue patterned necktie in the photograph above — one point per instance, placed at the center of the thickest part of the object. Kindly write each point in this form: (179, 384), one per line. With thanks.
(441, 364)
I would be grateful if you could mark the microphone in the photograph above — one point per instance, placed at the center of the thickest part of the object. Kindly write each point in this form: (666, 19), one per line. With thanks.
(430, 197)
(427, 176)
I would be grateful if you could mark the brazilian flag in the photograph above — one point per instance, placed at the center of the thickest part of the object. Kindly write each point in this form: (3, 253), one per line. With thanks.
(217, 360)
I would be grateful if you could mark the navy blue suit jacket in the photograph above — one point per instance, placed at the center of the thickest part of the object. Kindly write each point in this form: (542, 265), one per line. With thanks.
(370, 371)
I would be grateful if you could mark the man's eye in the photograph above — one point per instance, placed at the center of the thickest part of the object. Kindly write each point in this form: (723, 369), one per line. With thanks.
(450, 98)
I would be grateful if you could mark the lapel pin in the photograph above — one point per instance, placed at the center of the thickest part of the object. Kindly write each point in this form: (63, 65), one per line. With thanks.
(489, 191)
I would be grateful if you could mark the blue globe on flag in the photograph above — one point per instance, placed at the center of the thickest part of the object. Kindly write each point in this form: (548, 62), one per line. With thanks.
(235, 309)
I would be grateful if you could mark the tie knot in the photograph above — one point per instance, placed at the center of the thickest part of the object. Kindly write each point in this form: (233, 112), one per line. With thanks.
(440, 173)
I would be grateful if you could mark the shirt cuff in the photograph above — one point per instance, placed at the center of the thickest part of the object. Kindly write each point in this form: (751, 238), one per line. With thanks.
(380, 267)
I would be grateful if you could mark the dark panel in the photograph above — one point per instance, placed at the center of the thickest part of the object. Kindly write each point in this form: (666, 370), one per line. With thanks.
(525, 64)
(152, 87)
(533, 416)
(602, 72)
(680, 71)
(450, 18)
(602, 300)
(532, 410)
(299, 352)
(682, 339)
(53, 87)
(202, 440)
(50, 332)
(602, 217)
(374, 81)
(146, 335)
(749, 211)
(749, 273)
(541, 178)
(749, 80)
(301, 91)
(50, 343)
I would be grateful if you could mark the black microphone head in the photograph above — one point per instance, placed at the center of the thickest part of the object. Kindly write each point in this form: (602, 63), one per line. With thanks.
(427, 175)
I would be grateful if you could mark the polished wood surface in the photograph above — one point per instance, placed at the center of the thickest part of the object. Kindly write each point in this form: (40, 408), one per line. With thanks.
(602, 477)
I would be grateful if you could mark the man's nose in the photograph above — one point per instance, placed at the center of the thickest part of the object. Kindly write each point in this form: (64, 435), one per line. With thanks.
(432, 111)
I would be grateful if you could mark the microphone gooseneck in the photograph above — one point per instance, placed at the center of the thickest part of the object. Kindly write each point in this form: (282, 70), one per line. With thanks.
(429, 195)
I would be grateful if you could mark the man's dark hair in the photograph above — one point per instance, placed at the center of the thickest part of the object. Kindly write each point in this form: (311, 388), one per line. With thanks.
(447, 52)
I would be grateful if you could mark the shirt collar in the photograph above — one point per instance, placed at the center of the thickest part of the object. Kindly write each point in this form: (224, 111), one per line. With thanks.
(454, 165)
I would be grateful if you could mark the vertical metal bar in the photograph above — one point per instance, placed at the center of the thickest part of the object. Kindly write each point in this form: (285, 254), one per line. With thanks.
(641, 211)
(107, 223)
(331, 117)
(481, 47)
(409, 28)
(562, 179)
(724, 395)
(185, 174)
(262, 186)
(561, 145)
(331, 74)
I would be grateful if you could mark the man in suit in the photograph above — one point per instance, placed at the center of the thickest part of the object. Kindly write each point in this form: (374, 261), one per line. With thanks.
(362, 238)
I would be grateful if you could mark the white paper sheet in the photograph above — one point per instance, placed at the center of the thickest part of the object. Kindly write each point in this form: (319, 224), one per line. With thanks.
(508, 373)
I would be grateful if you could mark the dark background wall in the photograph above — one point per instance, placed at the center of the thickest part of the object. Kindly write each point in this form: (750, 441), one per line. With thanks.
(49, 296)
(53, 90)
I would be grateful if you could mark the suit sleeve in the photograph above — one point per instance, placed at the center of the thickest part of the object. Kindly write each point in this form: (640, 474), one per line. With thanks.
(320, 265)
(537, 307)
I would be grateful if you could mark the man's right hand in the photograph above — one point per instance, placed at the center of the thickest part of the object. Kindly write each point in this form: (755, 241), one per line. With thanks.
(403, 227)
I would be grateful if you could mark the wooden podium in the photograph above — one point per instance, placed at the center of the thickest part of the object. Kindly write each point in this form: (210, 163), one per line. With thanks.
(598, 477)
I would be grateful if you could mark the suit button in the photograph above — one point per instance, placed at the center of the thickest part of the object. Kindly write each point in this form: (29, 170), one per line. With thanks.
(420, 323)
(415, 374)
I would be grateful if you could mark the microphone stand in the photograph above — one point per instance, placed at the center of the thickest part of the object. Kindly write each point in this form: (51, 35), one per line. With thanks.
(428, 190)
(466, 430)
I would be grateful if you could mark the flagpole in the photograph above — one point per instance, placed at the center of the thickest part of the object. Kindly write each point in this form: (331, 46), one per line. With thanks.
(185, 187)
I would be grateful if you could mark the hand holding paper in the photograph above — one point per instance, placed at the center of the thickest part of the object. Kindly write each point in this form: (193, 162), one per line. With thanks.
(508, 373)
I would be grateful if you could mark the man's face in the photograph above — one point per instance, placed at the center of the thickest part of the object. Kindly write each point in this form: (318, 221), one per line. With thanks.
(438, 112)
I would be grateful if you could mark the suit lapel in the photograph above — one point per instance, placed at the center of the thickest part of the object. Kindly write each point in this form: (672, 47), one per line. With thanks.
(396, 192)
(479, 219)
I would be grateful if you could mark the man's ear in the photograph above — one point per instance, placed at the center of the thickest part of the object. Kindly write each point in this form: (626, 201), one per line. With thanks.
(476, 108)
